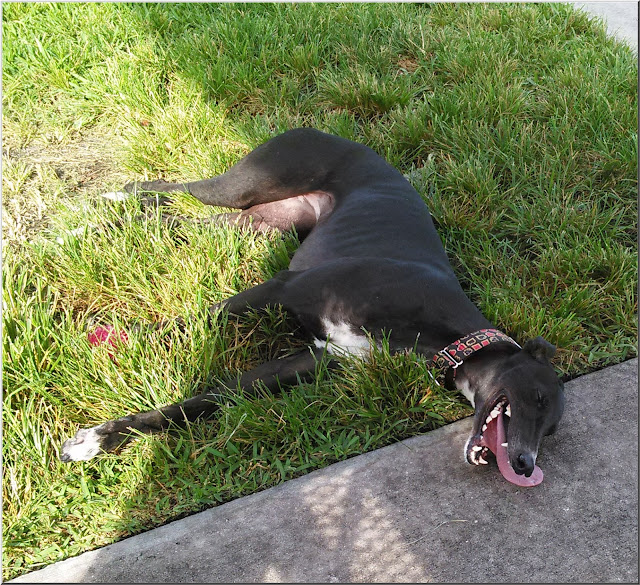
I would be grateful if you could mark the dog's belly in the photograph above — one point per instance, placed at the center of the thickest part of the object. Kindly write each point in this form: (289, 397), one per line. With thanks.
(366, 225)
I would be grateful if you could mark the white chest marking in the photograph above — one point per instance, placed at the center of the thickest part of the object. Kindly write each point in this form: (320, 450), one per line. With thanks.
(341, 339)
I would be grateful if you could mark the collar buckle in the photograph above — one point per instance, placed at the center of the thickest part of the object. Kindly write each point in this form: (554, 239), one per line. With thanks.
(451, 358)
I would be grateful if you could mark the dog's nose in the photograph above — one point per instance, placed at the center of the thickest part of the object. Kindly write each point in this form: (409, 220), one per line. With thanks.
(525, 464)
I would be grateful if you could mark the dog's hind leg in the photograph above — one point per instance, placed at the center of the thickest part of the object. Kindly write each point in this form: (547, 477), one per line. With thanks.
(288, 180)
(288, 165)
(87, 443)
(301, 213)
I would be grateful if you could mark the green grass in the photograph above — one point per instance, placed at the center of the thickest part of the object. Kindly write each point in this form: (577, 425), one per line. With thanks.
(517, 123)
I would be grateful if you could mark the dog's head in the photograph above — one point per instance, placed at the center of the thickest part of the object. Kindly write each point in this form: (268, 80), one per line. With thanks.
(516, 404)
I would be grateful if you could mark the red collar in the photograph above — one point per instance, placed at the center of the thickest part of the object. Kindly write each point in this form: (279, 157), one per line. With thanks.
(454, 355)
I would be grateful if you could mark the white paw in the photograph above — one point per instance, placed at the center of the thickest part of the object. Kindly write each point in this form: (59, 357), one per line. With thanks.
(117, 195)
(73, 233)
(84, 446)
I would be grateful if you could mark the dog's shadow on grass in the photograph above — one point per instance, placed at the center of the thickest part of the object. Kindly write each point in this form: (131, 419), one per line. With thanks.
(246, 447)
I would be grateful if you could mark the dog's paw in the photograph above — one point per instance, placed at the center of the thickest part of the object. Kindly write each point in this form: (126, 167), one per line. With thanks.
(144, 189)
(85, 445)
(109, 436)
(117, 196)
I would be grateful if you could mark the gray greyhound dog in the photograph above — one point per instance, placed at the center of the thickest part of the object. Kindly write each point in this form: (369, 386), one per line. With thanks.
(370, 262)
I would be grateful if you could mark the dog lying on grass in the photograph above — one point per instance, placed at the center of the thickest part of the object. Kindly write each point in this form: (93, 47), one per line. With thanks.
(370, 262)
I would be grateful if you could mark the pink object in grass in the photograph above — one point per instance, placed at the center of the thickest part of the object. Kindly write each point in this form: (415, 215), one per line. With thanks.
(106, 334)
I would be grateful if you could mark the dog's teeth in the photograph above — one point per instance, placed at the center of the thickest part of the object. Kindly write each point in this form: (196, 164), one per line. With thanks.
(476, 448)
(507, 410)
(505, 444)
(484, 428)
(482, 460)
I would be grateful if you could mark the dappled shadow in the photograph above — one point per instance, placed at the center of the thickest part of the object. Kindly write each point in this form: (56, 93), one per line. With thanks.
(361, 527)
(414, 512)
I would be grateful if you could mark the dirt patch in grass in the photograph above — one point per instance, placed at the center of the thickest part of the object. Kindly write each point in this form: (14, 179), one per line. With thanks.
(37, 176)
(408, 64)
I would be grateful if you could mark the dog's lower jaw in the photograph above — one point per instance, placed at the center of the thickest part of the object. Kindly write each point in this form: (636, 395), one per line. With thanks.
(474, 454)
(475, 449)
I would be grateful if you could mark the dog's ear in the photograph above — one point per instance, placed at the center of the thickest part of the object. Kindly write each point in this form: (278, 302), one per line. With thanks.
(540, 349)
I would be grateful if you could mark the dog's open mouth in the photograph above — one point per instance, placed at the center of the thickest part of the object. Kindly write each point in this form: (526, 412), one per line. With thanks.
(494, 439)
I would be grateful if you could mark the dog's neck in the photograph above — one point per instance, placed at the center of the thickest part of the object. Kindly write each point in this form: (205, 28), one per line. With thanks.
(478, 370)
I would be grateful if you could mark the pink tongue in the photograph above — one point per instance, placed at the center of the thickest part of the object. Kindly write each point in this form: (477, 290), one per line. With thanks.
(493, 437)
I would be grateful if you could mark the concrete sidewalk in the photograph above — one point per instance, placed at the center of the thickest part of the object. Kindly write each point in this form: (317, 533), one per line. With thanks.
(414, 512)
(621, 18)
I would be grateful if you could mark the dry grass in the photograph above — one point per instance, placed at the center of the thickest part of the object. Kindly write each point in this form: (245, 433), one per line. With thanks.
(37, 177)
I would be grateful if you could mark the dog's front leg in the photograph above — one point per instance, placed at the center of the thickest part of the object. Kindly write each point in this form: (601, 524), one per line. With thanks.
(267, 294)
(87, 443)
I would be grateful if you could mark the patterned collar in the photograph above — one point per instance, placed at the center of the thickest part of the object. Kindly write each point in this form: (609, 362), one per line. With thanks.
(454, 355)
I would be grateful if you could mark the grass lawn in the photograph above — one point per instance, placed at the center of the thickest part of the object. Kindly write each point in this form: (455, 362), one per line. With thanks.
(517, 123)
